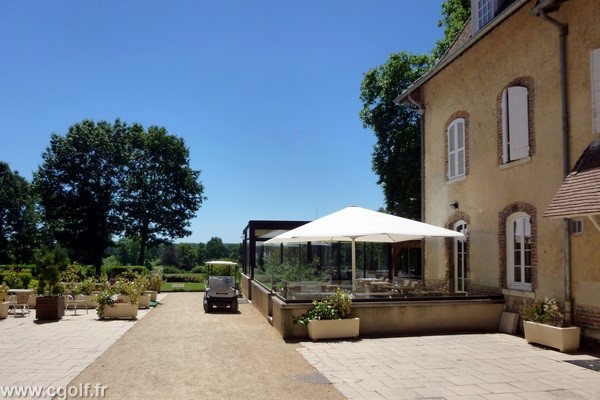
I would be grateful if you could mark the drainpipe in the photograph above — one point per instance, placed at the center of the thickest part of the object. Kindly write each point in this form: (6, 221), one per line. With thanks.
(563, 31)
(421, 111)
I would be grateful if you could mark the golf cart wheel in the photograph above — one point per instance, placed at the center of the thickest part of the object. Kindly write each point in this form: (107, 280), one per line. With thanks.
(207, 306)
(234, 306)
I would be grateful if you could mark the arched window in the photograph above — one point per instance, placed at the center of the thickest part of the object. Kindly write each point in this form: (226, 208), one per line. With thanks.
(519, 251)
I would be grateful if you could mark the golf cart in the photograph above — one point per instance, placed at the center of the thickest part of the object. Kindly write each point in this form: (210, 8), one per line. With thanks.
(221, 289)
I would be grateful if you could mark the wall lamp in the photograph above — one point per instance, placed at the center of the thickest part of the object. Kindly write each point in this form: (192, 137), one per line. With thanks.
(454, 205)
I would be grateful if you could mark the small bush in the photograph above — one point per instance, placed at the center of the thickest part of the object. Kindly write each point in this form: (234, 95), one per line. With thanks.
(114, 272)
(172, 270)
(198, 269)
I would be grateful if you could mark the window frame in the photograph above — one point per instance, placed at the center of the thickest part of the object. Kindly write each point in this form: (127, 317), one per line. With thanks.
(463, 227)
(511, 283)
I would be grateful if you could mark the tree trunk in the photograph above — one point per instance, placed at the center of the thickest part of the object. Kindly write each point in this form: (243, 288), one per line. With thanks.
(143, 244)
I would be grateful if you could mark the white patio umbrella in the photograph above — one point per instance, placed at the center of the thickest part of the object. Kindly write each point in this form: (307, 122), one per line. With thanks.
(357, 224)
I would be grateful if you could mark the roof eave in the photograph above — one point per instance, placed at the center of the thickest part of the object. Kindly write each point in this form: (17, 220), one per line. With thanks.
(403, 97)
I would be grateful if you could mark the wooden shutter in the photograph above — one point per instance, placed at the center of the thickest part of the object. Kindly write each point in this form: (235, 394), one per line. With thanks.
(451, 151)
(518, 123)
(460, 147)
(505, 126)
(595, 67)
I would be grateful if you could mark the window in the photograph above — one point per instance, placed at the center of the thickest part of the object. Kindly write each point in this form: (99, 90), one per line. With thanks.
(577, 226)
(483, 11)
(519, 251)
(460, 258)
(515, 124)
(456, 149)
(595, 67)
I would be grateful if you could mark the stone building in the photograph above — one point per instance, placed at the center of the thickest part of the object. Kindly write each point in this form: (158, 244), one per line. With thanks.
(506, 114)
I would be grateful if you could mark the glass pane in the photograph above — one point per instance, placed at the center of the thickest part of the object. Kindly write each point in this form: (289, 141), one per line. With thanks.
(527, 275)
(517, 274)
(517, 255)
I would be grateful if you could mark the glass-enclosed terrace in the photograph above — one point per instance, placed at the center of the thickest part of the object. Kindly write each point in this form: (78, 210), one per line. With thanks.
(307, 271)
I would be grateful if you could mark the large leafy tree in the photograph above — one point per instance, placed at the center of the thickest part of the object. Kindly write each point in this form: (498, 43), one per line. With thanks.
(215, 249)
(79, 184)
(396, 155)
(161, 192)
(455, 14)
(18, 217)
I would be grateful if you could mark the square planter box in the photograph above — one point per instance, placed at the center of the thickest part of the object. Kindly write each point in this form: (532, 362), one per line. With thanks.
(121, 311)
(334, 328)
(49, 308)
(563, 339)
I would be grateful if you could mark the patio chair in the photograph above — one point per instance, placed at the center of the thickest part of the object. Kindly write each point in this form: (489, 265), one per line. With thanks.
(19, 302)
(76, 301)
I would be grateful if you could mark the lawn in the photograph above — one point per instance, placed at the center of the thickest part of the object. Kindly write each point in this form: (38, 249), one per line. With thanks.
(187, 287)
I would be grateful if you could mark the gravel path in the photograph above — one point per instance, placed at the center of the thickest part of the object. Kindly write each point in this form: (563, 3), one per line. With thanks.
(179, 352)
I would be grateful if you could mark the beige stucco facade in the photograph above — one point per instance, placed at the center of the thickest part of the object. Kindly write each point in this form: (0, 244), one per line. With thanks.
(522, 49)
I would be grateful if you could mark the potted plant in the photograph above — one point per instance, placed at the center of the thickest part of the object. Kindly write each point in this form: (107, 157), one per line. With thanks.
(109, 307)
(331, 318)
(129, 290)
(544, 323)
(155, 282)
(3, 303)
(50, 304)
(143, 284)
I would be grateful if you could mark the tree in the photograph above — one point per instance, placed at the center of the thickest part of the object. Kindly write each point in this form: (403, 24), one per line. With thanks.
(215, 249)
(186, 256)
(396, 155)
(455, 14)
(18, 218)
(78, 184)
(161, 193)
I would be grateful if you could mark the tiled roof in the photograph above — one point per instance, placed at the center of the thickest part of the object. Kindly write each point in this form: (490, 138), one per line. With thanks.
(579, 194)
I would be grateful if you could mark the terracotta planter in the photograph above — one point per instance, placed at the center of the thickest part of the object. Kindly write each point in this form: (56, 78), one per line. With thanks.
(120, 311)
(4, 309)
(563, 339)
(49, 308)
(334, 328)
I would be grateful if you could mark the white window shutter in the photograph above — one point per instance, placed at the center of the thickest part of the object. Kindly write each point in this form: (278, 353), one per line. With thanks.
(518, 122)
(460, 147)
(595, 67)
(505, 126)
(451, 151)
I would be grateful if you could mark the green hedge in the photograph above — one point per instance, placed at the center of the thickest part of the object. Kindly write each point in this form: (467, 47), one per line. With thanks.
(113, 272)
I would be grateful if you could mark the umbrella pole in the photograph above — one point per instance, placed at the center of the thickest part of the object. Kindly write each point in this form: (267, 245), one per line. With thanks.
(353, 264)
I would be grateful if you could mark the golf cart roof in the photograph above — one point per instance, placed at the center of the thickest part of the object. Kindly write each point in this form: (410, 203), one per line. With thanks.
(221, 263)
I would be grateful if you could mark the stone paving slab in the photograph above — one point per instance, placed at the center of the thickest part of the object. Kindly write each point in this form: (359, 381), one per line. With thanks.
(451, 367)
(54, 353)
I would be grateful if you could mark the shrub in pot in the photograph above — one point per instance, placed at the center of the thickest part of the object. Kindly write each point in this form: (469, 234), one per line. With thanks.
(109, 307)
(50, 304)
(544, 324)
(331, 318)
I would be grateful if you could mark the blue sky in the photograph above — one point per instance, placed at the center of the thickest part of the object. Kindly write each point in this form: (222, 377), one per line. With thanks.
(265, 93)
